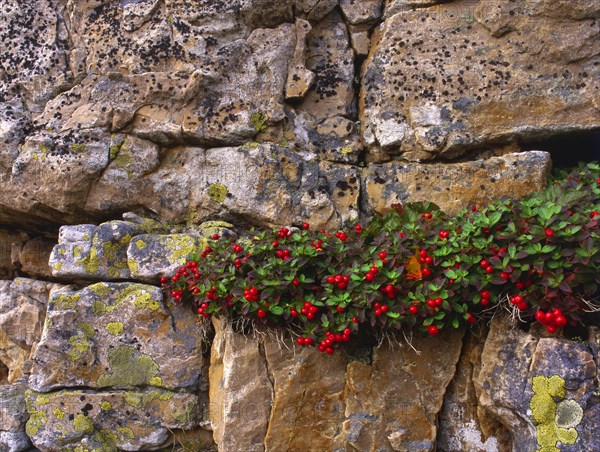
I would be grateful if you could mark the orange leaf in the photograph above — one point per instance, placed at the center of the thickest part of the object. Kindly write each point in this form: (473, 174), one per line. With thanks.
(413, 269)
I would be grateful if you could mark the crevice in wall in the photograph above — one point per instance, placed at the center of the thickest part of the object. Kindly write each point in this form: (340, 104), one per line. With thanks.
(569, 148)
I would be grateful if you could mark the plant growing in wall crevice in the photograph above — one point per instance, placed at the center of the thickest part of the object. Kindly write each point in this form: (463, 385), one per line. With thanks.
(414, 268)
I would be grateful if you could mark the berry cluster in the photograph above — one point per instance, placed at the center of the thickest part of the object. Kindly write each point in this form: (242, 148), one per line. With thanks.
(412, 268)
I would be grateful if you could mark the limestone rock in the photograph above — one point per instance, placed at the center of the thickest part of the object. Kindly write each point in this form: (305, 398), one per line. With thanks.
(459, 427)
(357, 11)
(22, 313)
(13, 415)
(456, 185)
(33, 257)
(314, 10)
(299, 79)
(7, 241)
(90, 252)
(383, 408)
(152, 256)
(134, 420)
(308, 396)
(240, 391)
(443, 80)
(540, 389)
(116, 335)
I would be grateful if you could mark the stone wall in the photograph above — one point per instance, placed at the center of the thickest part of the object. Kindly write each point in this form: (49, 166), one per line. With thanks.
(141, 126)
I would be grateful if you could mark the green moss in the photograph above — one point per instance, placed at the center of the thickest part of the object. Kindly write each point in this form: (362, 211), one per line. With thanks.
(64, 302)
(128, 368)
(115, 328)
(83, 424)
(141, 399)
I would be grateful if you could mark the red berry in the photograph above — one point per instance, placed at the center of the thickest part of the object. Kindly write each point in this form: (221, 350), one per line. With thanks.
(549, 232)
(540, 316)
(262, 314)
(358, 229)
(433, 330)
(428, 260)
(560, 320)
(413, 310)
(295, 282)
(354, 319)
(505, 276)
(485, 301)
(551, 329)
(300, 341)
(470, 318)
(484, 263)
(438, 301)
(489, 269)
(330, 279)
(594, 214)
(275, 244)
(431, 303)
(382, 255)
(305, 226)
(486, 294)
(215, 236)
(293, 312)
(342, 285)
(369, 276)
(426, 272)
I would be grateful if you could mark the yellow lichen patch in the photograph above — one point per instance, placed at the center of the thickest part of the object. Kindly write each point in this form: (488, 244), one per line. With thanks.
(42, 400)
(78, 147)
(217, 192)
(83, 424)
(125, 432)
(64, 302)
(156, 381)
(178, 247)
(128, 368)
(90, 263)
(141, 298)
(548, 393)
(100, 308)
(58, 414)
(78, 251)
(141, 399)
(115, 328)
(57, 266)
(87, 330)
(140, 244)
(105, 406)
(101, 289)
(78, 347)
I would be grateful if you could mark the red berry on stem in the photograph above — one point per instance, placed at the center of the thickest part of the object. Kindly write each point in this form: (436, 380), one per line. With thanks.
(549, 232)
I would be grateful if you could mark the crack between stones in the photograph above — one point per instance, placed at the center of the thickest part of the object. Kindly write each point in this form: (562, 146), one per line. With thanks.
(262, 353)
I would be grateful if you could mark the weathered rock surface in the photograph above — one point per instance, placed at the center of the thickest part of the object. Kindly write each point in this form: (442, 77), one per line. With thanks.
(113, 420)
(22, 313)
(240, 391)
(270, 395)
(447, 79)
(542, 390)
(455, 186)
(116, 335)
(13, 415)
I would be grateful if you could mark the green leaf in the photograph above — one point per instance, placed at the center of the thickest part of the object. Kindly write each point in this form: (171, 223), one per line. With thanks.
(455, 323)
(276, 310)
